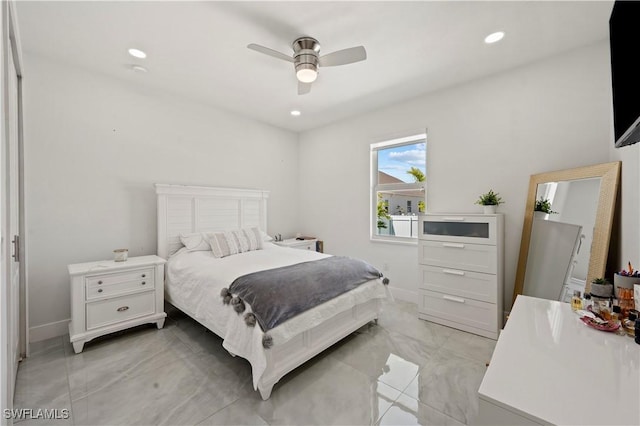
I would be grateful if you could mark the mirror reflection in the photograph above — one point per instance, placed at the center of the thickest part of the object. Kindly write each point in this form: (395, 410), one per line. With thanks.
(561, 238)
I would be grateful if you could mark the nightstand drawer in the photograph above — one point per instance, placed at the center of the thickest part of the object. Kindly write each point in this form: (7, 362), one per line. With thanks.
(473, 285)
(99, 287)
(110, 311)
(461, 310)
(461, 256)
(298, 244)
(307, 246)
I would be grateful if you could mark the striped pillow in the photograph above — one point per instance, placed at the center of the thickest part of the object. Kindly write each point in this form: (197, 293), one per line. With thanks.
(233, 242)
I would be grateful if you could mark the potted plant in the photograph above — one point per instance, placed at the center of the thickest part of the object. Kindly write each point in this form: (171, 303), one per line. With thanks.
(490, 201)
(600, 287)
(543, 208)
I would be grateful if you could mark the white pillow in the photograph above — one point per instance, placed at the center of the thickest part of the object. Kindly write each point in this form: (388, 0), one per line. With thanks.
(195, 242)
(265, 236)
(233, 242)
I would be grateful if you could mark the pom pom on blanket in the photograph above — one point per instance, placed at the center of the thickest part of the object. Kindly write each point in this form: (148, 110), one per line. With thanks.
(250, 319)
(224, 292)
(385, 281)
(267, 341)
(238, 307)
(227, 299)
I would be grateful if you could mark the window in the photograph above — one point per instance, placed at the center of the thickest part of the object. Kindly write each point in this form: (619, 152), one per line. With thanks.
(398, 182)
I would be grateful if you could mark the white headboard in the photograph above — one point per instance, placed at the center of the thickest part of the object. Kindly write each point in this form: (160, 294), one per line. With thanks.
(185, 209)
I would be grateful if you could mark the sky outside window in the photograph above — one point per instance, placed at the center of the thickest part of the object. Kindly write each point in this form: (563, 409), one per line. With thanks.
(396, 161)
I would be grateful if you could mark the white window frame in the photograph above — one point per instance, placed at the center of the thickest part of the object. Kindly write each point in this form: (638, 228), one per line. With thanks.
(376, 187)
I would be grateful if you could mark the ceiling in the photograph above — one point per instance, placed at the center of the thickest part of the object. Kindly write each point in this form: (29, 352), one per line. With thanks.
(198, 50)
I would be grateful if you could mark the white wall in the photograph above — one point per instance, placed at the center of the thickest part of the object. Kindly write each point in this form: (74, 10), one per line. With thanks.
(94, 147)
(626, 236)
(490, 133)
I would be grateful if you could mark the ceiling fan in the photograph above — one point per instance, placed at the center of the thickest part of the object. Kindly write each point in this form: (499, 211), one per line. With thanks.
(306, 59)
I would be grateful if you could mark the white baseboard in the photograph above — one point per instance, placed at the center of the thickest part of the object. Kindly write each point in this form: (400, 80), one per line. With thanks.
(48, 331)
(404, 294)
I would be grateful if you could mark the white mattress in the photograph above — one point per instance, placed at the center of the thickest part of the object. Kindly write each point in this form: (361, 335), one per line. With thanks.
(194, 281)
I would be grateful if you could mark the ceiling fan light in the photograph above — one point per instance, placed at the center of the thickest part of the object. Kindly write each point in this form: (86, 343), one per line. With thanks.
(306, 74)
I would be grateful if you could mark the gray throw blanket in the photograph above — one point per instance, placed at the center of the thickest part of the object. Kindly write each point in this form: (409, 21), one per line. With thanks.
(276, 295)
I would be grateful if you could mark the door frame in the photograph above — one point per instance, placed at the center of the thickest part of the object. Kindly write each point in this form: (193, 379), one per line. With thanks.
(10, 44)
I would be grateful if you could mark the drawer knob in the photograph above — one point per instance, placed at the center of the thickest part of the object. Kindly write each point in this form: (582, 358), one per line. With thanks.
(143, 283)
(100, 282)
(122, 308)
(99, 290)
(144, 275)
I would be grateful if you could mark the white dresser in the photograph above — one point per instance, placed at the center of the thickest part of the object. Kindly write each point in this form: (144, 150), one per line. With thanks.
(109, 296)
(548, 367)
(298, 244)
(461, 270)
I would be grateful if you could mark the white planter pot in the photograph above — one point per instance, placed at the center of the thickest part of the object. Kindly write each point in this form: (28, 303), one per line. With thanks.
(541, 215)
(490, 209)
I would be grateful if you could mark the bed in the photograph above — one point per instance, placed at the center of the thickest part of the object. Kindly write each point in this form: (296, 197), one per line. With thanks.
(195, 281)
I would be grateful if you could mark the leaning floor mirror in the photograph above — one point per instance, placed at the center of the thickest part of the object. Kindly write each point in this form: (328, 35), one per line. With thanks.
(566, 231)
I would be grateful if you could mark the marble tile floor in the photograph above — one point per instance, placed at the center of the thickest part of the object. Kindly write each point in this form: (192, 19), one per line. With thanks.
(402, 371)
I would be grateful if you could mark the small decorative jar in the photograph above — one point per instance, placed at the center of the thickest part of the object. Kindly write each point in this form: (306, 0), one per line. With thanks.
(120, 255)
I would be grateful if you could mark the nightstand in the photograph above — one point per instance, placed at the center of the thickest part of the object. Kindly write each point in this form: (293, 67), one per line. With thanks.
(110, 296)
(298, 244)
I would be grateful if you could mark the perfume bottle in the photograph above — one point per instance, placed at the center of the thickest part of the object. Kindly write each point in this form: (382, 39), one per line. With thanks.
(576, 301)
(587, 302)
(616, 318)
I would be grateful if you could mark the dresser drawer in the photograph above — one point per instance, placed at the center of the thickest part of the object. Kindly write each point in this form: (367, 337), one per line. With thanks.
(99, 287)
(461, 310)
(473, 229)
(460, 256)
(110, 311)
(466, 284)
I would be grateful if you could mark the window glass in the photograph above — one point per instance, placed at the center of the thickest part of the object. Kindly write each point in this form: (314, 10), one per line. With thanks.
(399, 187)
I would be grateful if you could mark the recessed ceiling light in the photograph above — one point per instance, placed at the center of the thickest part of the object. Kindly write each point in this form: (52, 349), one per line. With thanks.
(137, 53)
(494, 37)
(138, 68)
(295, 113)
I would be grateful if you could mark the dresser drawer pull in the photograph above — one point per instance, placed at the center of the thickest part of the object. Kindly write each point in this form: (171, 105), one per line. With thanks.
(144, 275)
(453, 299)
(99, 290)
(143, 282)
(453, 219)
(451, 272)
(122, 308)
(99, 282)
(453, 245)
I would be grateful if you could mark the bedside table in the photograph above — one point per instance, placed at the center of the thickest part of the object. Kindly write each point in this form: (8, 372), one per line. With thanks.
(298, 244)
(110, 296)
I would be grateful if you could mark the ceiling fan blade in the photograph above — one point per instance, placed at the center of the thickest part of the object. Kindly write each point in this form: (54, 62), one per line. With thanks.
(270, 52)
(303, 88)
(344, 56)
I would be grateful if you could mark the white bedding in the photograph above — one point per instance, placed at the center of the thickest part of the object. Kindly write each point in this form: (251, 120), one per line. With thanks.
(194, 281)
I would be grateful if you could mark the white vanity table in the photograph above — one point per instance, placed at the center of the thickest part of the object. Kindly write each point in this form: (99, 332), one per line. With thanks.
(550, 368)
